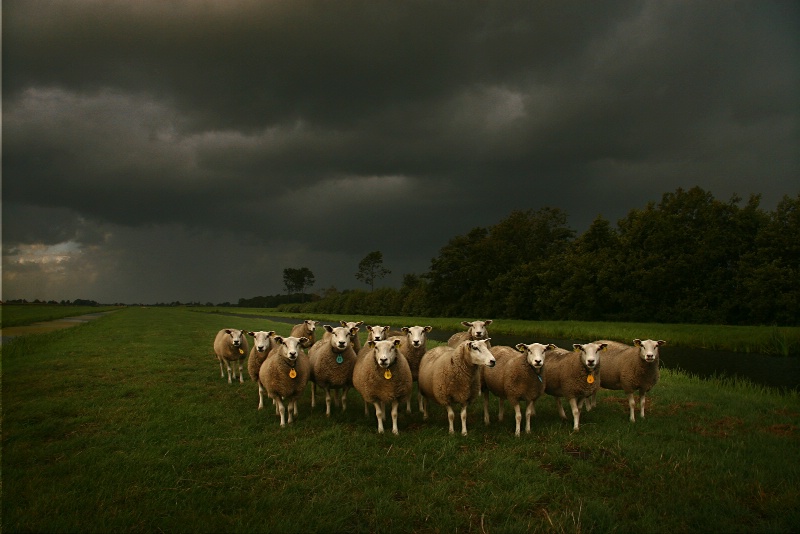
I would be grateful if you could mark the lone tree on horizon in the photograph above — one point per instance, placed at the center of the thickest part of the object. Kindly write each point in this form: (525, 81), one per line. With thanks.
(297, 280)
(371, 268)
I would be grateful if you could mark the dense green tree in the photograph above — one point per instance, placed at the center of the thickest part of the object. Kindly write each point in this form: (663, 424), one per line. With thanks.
(297, 280)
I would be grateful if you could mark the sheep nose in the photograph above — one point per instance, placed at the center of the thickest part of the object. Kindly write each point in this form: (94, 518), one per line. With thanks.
(292, 355)
(341, 344)
(590, 363)
(383, 361)
(416, 343)
(537, 363)
(491, 363)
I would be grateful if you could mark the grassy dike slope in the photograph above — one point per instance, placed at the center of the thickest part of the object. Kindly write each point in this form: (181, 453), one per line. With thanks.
(124, 424)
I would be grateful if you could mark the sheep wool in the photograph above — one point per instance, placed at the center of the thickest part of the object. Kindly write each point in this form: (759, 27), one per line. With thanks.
(517, 376)
(262, 345)
(332, 361)
(451, 375)
(630, 369)
(284, 375)
(231, 348)
(305, 329)
(382, 374)
(573, 375)
(413, 345)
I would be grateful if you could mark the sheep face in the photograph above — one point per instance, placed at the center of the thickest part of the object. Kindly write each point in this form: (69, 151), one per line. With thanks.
(290, 346)
(340, 336)
(479, 353)
(534, 353)
(477, 329)
(377, 333)
(311, 325)
(236, 336)
(417, 335)
(648, 349)
(590, 354)
(385, 352)
(262, 340)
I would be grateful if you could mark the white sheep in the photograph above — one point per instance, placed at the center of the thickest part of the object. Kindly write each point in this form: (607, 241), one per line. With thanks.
(332, 361)
(476, 330)
(452, 375)
(284, 375)
(574, 375)
(517, 376)
(413, 345)
(350, 325)
(231, 348)
(630, 369)
(376, 333)
(262, 345)
(305, 329)
(381, 374)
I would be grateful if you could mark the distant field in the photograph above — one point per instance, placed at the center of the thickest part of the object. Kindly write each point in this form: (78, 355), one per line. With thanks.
(782, 341)
(124, 424)
(25, 314)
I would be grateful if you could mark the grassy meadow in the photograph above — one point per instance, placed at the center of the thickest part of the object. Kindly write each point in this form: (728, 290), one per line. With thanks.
(25, 314)
(123, 424)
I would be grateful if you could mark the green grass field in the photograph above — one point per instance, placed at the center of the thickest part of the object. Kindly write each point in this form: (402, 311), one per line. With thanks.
(25, 314)
(123, 424)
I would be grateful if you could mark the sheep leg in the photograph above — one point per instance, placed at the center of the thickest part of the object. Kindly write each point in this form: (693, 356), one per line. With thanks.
(424, 409)
(486, 410)
(366, 407)
(313, 394)
(379, 416)
(281, 410)
(450, 417)
(530, 410)
(591, 402)
(561, 413)
(294, 407)
(260, 396)
(241, 376)
(228, 365)
(327, 402)
(395, 404)
(576, 412)
(419, 398)
(518, 418)
(501, 408)
(344, 398)
(464, 419)
(289, 409)
(221, 370)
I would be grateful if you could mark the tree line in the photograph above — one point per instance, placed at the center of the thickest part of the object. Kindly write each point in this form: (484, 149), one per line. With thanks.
(689, 258)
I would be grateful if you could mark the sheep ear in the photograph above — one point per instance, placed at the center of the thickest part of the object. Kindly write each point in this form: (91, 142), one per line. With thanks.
(603, 346)
(428, 328)
(466, 323)
(371, 343)
(251, 334)
(227, 330)
(279, 339)
(359, 323)
(303, 339)
(577, 347)
(354, 331)
(271, 333)
(488, 322)
(343, 323)
(396, 342)
(521, 347)
(405, 329)
(328, 328)
(551, 346)
(637, 342)
(661, 342)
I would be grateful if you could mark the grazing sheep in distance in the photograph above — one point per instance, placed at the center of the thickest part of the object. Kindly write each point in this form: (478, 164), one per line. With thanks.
(284, 375)
(476, 330)
(332, 361)
(305, 329)
(630, 369)
(453, 375)
(382, 375)
(517, 376)
(230, 346)
(413, 345)
(262, 345)
(574, 376)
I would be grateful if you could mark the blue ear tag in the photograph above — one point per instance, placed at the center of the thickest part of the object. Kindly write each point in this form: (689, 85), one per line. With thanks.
(540, 377)
(339, 359)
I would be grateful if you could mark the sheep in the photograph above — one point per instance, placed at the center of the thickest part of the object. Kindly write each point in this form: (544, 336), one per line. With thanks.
(630, 369)
(332, 360)
(231, 347)
(517, 376)
(353, 336)
(284, 375)
(574, 376)
(305, 329)
(413, 344)
(381, 374)
(376, 333)
(452, 375)
(475, 330)
(262, 345)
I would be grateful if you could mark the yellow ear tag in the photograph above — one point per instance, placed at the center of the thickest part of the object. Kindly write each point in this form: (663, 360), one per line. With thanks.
(387, 375)
(241, 351)
(590, 379)
(292, 373)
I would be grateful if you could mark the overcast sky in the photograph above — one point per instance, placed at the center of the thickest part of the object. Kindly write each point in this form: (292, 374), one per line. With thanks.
(190, 150)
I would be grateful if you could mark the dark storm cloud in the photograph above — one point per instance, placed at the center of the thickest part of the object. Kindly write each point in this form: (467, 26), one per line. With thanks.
(310, 133)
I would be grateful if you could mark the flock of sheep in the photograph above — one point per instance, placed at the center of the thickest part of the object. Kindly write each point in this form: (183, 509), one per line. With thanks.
(385, 368)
